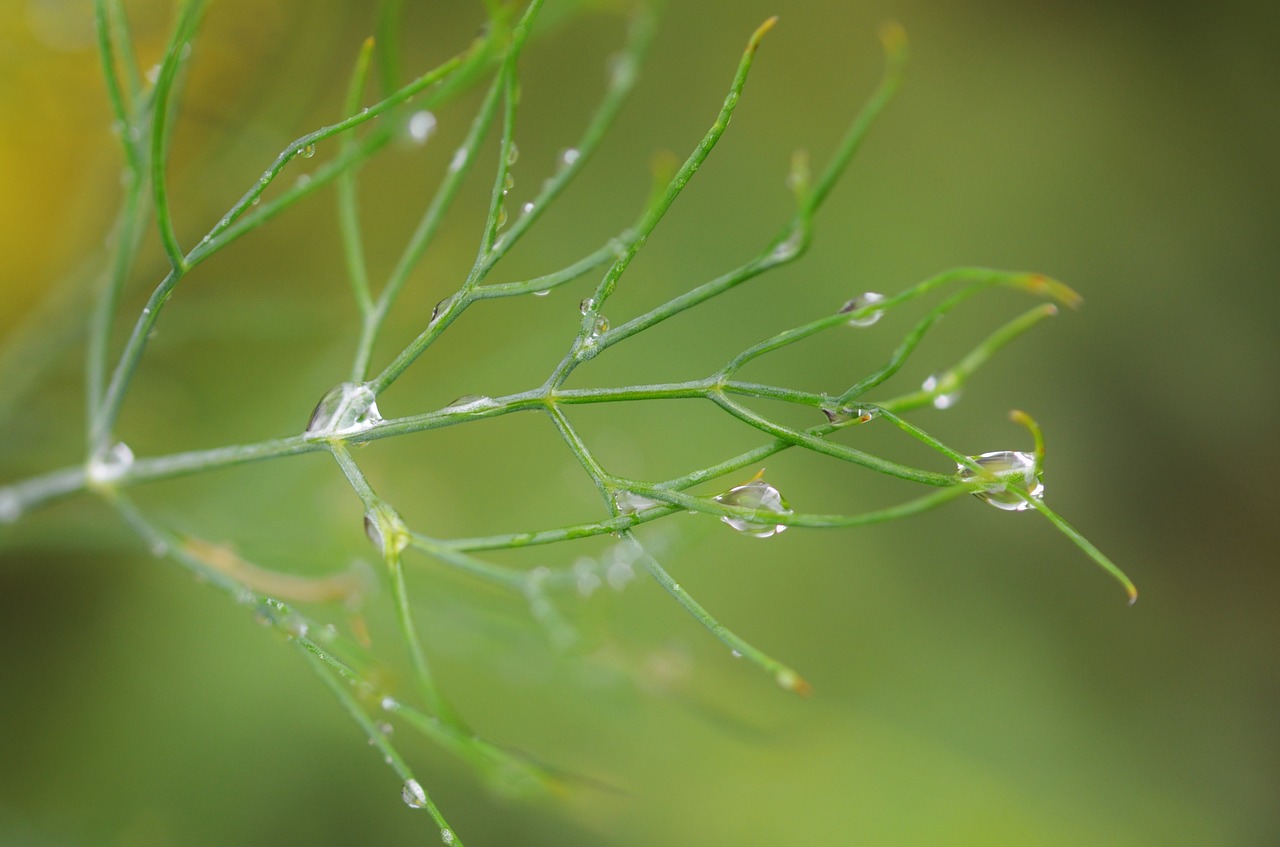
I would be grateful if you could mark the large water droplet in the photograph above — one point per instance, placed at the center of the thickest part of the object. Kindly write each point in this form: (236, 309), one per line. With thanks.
(413, 795)
(628, 502)
(870, 298)
(308, 151)
(421, 126)
(346, 408)
(763, 499)
(472, 403)
(600, 327)
(111, 465)
(948, 391)
(1006, 469)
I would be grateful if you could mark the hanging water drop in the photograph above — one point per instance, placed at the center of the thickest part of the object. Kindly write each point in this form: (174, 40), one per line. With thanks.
(763, 499)
(513, 153)
(308, 151)
(508, 183)
(413, 795)
(110, 466)
(788, 249)
(860, 302)
(600, 327)
(389, 704)
(844, 414)
(948, 393)
(440, 308)
(628, 502)
(502, 217)
(543, 293)
(421, 126)
(345, 409)
(586, 305)
(472, 403)
(446, 835)
(1005, 470)
(526, 208)
(568, 156)
(459, 160)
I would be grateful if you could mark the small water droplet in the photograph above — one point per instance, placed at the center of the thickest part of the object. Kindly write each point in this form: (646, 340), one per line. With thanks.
(386, 728)
(390, 704)
(763, 499)
(736, 654)
(344, 409)
(472, 403)
(446, 835)
(543, 293)
(508, 183)
(870, 298)
(153, 74)
(845, 414)
(568, 156)
(111, 465)
(1006, 469)
(788, 249)
(10, 506)
(308, 151)
(303, 180)
(459, 160)
(421, 126)
(413, 795)
(628, 502)
(502, 217)
(513, 154)
(600, 327)
(442, 307)
(586, 305)
(948, 393)
(526, 208)
(257, 200)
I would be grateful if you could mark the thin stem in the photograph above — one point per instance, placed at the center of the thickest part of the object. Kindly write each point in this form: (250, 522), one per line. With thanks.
(348, 206)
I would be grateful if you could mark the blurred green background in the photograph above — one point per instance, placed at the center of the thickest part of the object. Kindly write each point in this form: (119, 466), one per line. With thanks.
(978, 681)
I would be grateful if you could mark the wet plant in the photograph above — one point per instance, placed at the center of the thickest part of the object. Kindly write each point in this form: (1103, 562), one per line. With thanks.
(347, 415)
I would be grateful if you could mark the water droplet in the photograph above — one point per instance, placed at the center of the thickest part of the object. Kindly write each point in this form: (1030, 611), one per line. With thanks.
(568, 156)
(736, 654)
(303, 180)
(543, 293)
(621, 68)
(760, 497)
(845, 414)
(948, 393)
(345, 409)
(472, 403)
(513, 154)
(372, 530)
(502, 217)
(413, 795)
(442, 307)
(526, 208)
(459, 160)
(389, 704)
(111, 465)
(446, 835)
(1005, 469)
(421, 126)
(788, 249)
(628, 502)
(153, 74)
(861, 302)
(508, 183)
(600, 327)
(586, 305)
(308, 151)
(386, 728)
(10, 506)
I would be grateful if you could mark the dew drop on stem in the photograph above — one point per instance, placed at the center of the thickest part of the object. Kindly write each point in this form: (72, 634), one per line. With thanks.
(472, 403)
(308, 151)
(344, 409)
(860, 303)
(421, 126)
(446, 835)
(1005, 471)
(628, 502)
(948, 394)
(586, 305)
(568, 156)
(111, 465)
(760, 497)
(513, 154)
(413, 795)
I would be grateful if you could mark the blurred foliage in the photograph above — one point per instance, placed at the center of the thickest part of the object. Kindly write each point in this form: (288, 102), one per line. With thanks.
(977, 681)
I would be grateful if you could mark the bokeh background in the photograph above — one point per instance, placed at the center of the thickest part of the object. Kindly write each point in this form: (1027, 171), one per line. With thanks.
(978, 681)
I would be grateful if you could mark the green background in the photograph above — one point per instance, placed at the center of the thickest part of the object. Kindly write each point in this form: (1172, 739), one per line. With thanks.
(977, 680)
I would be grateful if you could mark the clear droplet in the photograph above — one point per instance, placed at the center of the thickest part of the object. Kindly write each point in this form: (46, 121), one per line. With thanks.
(763, 499)
(446, 835)
(459, 160)
(568, 156)
(526, 208)
(153, 74)
(442, 307)
(10, 506)
(502, 217)
(421, 126)
(373, 531)
(628, 502)
(870, 298)
(948, 394)
(600, 327)
(111, 465)
(472, 403)
(735, 654)
(513, 154)
(386, 728)
(308, 151)
(390, 704)
(586, 305)
(845, 414)
(345, 409)
(508, 183)
(1005, 470)
(413, 795)
(788, 249)
(543, 293)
